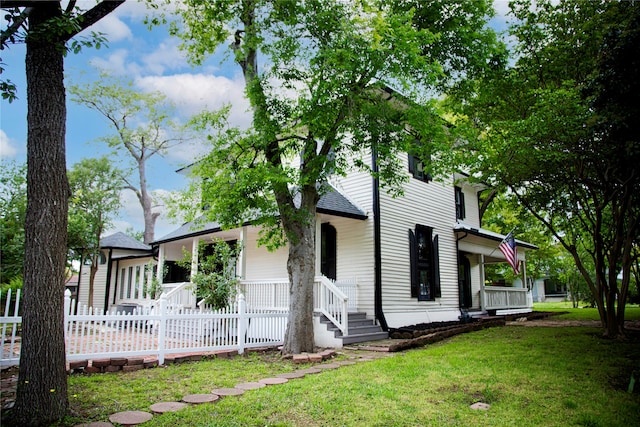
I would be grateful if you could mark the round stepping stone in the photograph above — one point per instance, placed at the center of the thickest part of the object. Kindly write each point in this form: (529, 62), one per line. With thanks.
(250, 386)
(273, 381)
(480, 406)
(291, 375)
(228, 391)
(309, 371)
(200, 398)
(328, 366)
(95, 424)
(130, 418)
(163, 407)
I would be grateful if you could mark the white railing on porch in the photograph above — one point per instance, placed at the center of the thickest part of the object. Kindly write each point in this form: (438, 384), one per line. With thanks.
(332, 302)
(92, 334)
(505, 298)
(333, 299)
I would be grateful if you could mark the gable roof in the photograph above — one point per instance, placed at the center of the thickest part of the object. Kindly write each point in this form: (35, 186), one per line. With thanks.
(331, 203)
(120, 240)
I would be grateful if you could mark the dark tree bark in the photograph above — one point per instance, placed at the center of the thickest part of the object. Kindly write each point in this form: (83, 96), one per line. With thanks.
(41, 397)
(42, 387)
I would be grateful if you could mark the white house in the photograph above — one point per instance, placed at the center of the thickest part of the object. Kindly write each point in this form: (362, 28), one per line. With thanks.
(399, 261)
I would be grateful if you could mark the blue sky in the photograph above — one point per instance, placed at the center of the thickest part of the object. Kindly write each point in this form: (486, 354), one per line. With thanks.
(154, 62)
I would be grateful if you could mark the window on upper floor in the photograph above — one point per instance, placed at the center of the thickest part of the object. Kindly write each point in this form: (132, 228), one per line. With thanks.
(419, 169)
(460, 211)
(424, 260)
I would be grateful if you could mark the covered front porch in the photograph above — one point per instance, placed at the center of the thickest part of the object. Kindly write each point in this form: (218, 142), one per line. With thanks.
(478, 248)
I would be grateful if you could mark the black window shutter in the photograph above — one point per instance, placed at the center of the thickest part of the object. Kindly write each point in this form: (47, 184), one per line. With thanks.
(412, 161)
(437, 293)
(413, 265)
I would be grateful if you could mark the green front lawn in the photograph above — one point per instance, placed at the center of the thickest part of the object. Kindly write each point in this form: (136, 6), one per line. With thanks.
(531, 376)
(632, 312)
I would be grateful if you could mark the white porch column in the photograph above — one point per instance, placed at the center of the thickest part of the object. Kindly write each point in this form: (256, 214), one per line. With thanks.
(194, 257)
(483, 303)
(241, 268)
(160, 264)
(318, 246)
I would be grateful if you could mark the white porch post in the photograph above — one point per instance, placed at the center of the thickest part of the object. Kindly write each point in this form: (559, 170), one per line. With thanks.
(241, 269)
(318, 247)
(194, 257)
(160, 264)
(483, 302)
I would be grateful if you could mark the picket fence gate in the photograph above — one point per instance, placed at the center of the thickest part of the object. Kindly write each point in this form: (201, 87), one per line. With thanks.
(165, 330)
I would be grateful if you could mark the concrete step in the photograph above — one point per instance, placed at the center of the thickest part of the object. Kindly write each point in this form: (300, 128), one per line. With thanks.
(375, 336)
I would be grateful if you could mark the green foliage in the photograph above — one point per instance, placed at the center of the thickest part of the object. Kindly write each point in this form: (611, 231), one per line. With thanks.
(13, 207)
(558, 128)
(216, 281)
(143, 127)
(152, 286)
(14, 285)
(322, 105)
(95, 200)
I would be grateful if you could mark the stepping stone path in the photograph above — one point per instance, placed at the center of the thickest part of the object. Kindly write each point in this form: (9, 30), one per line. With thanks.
(196, 399)
(273, 381)
(163, 407)
(228, 392)
(132, 418)
(250, 386)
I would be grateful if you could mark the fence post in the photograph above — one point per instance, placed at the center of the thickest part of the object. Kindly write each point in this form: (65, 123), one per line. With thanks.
(67, 310)
(162, 328)
(242, 323)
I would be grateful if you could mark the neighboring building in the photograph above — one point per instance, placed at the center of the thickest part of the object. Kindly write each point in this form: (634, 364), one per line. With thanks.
(121, 266)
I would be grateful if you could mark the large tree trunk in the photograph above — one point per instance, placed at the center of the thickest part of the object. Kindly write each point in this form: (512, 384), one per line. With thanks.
(146, 201)
(301, 267)
(42, 382)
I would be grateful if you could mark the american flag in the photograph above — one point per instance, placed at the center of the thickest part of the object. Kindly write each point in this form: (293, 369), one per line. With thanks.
(510, 251)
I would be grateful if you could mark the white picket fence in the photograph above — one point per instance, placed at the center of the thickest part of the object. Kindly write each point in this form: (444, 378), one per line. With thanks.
(92, 334)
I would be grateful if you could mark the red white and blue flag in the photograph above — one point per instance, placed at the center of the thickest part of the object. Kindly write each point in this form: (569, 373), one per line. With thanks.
(510, 251)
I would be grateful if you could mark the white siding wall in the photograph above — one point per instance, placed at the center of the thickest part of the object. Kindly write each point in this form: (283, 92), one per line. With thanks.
(430, 204)
(262, 264)
(99, 284)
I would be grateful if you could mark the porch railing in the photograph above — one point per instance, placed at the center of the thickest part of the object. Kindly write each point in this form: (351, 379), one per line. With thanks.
(505, 298)
(333, 299)
(332, 302)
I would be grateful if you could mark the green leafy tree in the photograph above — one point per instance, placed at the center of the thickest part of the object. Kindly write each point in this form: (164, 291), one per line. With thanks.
(13, 206)
(216, 281)
(49, 32)
(143, 126)
(321, 106)
(95, 200)
(559, 128)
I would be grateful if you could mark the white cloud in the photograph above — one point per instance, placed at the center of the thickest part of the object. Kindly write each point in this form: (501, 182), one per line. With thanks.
(166, 56)
(7, 146)
(113, 28)
(116, 63)
(192, 93)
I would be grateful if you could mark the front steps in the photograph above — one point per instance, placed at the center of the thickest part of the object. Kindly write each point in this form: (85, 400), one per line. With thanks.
(361, 329)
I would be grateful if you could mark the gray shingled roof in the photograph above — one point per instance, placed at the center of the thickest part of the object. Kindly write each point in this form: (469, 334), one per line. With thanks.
(332, 203)
(120, 240)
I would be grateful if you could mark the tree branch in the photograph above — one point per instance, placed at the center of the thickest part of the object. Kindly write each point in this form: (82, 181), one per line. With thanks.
(17, 23)
(93, 15)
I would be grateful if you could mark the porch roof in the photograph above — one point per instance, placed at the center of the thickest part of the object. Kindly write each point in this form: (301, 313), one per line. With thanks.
(461, 227)
(120, 240)
(331, 203)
